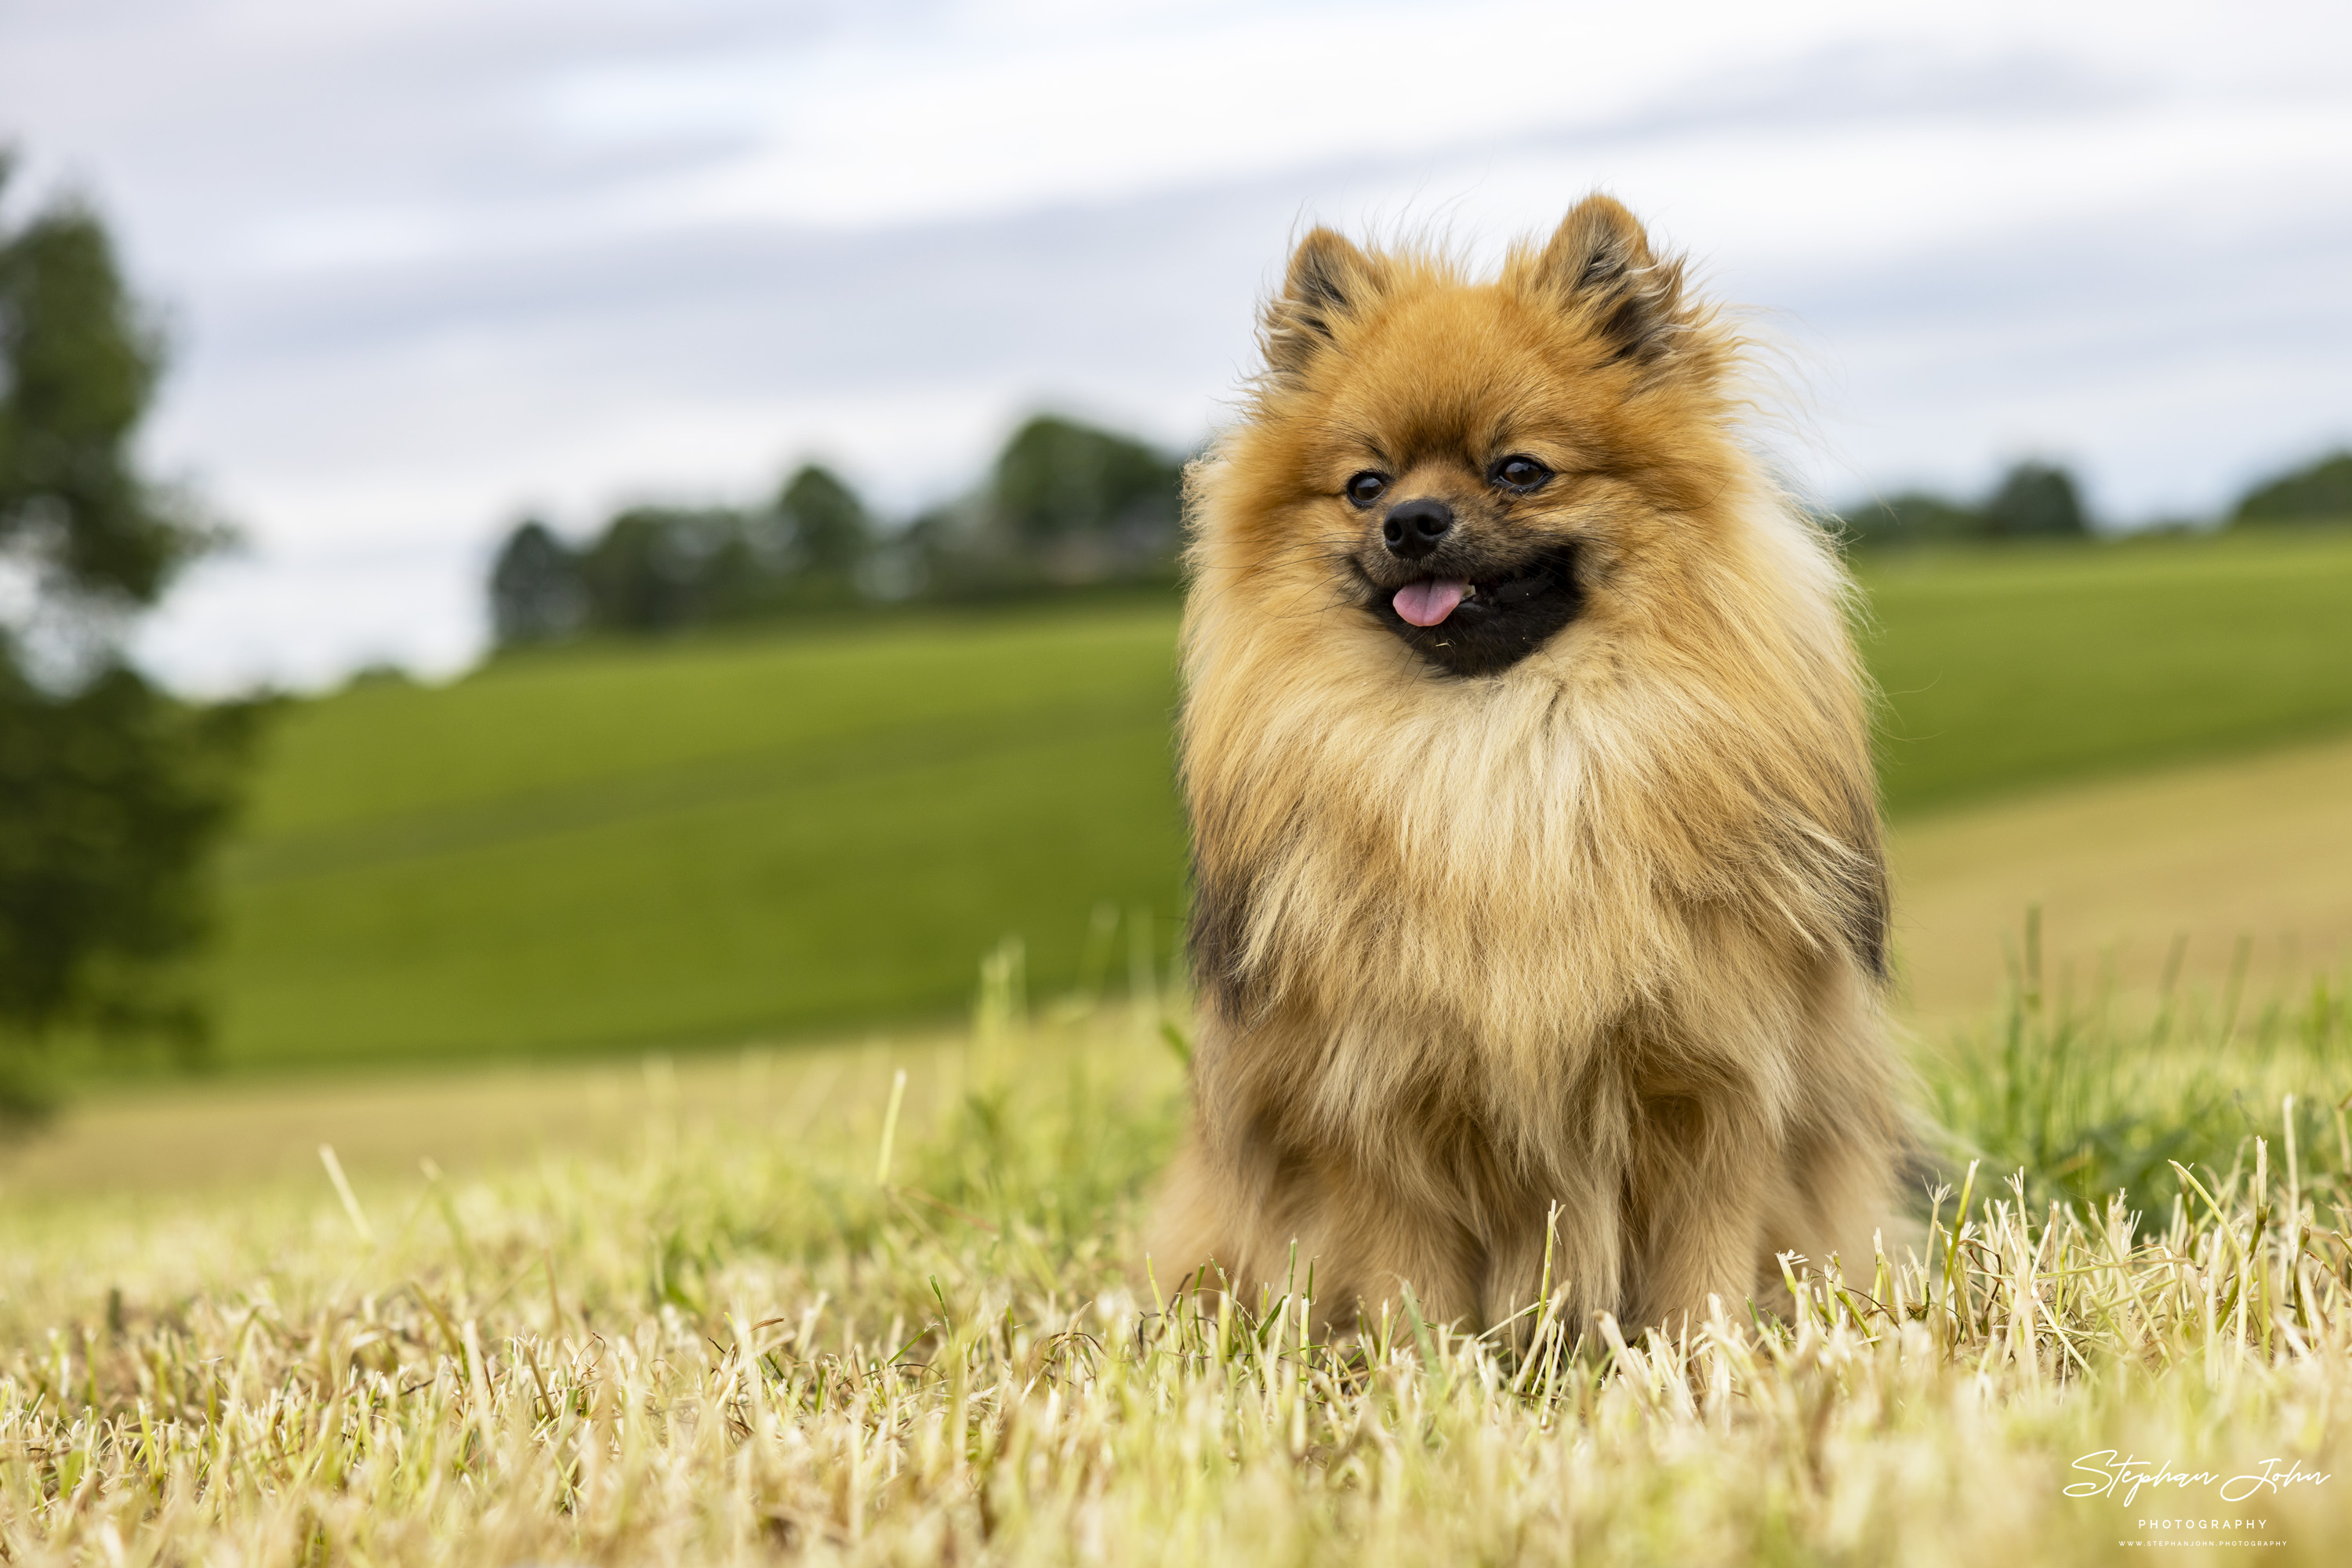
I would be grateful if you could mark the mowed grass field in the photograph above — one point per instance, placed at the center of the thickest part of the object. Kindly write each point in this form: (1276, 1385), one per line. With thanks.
(2010, 671)
(888, 1306)
(2229, 877)
(700, 840)
(809, 831)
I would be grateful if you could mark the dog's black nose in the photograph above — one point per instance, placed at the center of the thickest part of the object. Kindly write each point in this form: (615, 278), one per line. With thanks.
(1412, 527)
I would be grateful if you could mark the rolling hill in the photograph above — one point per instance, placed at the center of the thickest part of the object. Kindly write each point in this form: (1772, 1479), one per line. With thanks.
(814, 829)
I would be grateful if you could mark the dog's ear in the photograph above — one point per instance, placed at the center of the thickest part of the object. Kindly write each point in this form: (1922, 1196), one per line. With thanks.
(1599, 265)
(1328, 279)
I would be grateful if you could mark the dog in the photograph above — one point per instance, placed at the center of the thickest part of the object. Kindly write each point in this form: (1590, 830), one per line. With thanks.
(1539, 908)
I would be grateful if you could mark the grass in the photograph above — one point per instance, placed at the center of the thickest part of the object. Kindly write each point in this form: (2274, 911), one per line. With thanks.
(2011, 670)
(2242, 866)
(2085, 1104)
(720, 839)
(853, 1314)
(700, 841)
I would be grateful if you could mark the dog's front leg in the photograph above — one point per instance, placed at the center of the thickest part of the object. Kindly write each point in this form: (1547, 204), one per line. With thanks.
(1567, 1242)
(1373, 1238)
(1263, 1223)
(1701, 1174)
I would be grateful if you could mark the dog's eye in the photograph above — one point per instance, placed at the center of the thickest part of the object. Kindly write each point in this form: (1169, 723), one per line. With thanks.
(1520, 473)
(1366, 487)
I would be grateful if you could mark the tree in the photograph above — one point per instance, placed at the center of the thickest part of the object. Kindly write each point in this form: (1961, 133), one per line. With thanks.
(112, 794)
(2035, 501)
(830, 535)
(1914, 517)
(536, 593)
(110, 798)
(2320, 492)
(655, 569)
(659, 568)
(1086, 503)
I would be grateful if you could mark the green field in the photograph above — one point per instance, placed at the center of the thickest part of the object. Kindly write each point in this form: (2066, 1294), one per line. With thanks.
(699, 840)
(720, 839)
(2010, 670)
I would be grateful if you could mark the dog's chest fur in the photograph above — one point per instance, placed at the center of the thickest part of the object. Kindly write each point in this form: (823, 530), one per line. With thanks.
(1479, 912)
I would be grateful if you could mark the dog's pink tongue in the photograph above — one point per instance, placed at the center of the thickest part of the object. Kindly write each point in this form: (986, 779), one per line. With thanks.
(1426, 603)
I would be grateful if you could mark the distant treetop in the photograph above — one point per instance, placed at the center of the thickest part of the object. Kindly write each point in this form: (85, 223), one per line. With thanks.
(2042, 501)
(1065, 504)
(2035, 501)
(2032, 500)
(826, 525)
(2318, 492)
(536, 593)
(81, 362)
(1057, 478)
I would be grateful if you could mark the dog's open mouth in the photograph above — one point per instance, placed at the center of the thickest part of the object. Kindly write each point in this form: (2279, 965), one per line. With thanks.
(1482, 625)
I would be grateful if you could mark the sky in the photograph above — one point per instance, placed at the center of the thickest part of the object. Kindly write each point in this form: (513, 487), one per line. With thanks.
(433, 266)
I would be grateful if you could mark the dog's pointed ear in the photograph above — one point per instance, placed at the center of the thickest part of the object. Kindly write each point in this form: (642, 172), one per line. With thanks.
(1329, 279)
(1600, 266)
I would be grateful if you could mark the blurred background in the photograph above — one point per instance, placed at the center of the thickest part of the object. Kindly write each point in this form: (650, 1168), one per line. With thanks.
(534, 531)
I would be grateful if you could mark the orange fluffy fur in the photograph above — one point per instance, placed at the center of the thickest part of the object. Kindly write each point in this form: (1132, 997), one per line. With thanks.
(1603, 929)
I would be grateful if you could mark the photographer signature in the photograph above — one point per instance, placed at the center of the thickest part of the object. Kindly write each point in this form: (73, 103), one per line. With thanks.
(2128, 1475)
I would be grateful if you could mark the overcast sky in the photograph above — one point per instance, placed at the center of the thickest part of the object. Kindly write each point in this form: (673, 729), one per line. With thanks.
(431, 264)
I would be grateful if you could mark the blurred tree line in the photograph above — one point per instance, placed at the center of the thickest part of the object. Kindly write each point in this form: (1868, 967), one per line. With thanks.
(2032, 500)
(2042, 501)
(111, 791)
(2320, 492)
(1065, 505)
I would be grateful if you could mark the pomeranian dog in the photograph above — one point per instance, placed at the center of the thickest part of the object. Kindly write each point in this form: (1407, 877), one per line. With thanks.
(1539, 896)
